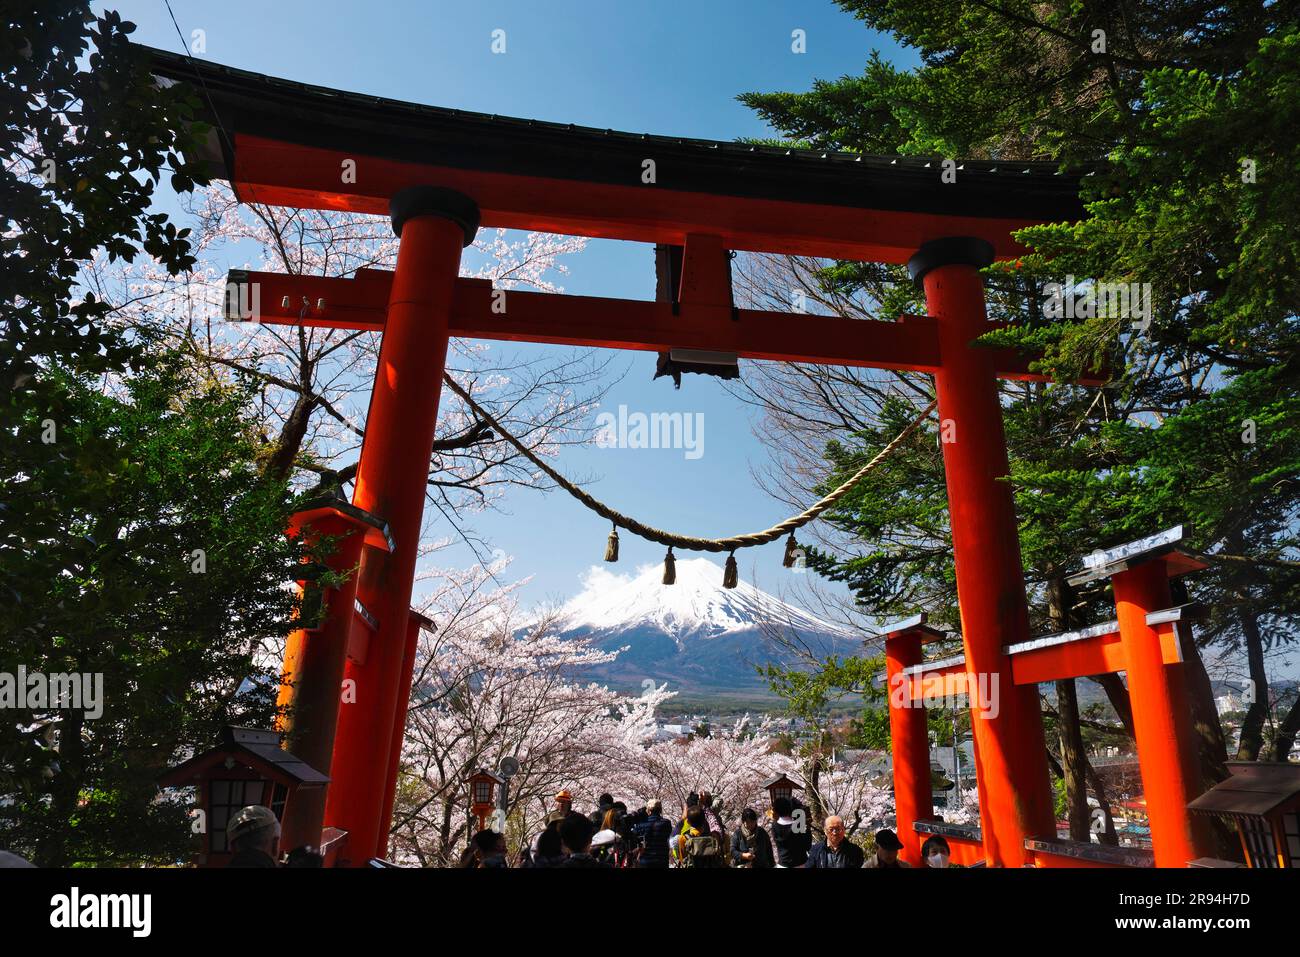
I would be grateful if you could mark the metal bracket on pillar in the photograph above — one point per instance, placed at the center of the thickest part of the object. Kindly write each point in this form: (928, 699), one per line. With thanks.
(951, 250)
(435, 201)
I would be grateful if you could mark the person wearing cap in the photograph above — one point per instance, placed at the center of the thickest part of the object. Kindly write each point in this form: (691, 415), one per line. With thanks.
(254, 835)
(564, 802)
(887, 847)
(835, 852)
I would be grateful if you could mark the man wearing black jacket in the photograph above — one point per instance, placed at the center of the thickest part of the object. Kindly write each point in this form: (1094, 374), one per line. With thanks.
(654, 833)
(835, 851)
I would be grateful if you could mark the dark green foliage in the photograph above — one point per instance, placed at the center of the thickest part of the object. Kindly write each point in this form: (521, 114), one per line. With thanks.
(110, 583)
(1187, 114)
(117, 463)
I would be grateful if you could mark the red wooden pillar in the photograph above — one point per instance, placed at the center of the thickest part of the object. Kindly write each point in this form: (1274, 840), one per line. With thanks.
(910, 742)
(417, 622)
(314, 661)
(1010, 751)
(1161, 717)
(434, 225)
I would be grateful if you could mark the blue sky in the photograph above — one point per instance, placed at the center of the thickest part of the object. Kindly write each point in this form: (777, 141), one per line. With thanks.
(667, 67)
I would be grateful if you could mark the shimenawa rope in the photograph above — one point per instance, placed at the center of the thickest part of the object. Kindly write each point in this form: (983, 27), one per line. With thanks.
(690, 542)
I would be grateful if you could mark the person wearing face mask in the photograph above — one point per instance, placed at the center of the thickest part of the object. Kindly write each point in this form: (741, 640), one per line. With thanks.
(936, 853)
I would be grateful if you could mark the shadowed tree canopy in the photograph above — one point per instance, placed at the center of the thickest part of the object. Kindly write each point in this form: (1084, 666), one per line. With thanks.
(1186, 114)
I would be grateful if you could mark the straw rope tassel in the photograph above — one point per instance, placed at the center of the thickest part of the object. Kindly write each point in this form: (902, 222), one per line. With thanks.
(611, 546)
(791, 548)
(730, 576)
(670, 568)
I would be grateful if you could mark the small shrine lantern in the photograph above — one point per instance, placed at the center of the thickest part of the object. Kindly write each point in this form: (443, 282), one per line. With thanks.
(246, 766)
(1263, 800)
(781, 787)
(482, 791)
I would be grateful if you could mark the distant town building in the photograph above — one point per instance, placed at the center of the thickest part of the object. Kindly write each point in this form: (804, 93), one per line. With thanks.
(1226, 703)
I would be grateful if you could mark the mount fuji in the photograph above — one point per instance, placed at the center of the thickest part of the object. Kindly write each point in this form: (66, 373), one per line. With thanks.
(694, 634)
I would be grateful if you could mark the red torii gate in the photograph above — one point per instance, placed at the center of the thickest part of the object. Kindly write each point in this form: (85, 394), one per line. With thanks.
(442, 173)
(1143, 642)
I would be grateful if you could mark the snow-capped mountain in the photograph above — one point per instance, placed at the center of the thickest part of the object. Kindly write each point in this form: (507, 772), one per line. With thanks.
(694, 634)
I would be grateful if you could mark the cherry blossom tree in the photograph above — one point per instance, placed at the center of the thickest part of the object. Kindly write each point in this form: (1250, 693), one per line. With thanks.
(487, 686)
(316, 382)
(731, 765)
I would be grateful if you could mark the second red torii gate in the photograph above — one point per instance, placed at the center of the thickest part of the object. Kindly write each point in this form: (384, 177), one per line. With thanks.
(1143, 641)
(441, 173)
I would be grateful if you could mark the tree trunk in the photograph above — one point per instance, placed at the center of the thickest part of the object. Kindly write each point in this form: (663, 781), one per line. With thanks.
(444, 844)
(1118, 695)
(64, 791)
(1108, 835)
(1211, 746)
(816, 810)
(280, 462)
(1252, 727)
(1286, 733)
(1210, 739)
(1074, 759)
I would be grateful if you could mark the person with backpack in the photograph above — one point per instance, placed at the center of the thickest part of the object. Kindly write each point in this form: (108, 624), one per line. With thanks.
(712, 811)
(698, 846)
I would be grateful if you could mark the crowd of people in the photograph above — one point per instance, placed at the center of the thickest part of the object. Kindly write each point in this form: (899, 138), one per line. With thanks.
(613, 836)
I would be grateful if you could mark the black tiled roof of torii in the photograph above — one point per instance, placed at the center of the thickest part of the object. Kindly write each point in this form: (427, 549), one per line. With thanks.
(287, 110)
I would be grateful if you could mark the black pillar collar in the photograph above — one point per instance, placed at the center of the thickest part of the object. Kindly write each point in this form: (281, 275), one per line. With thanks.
(968, 250)
(435, 201)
